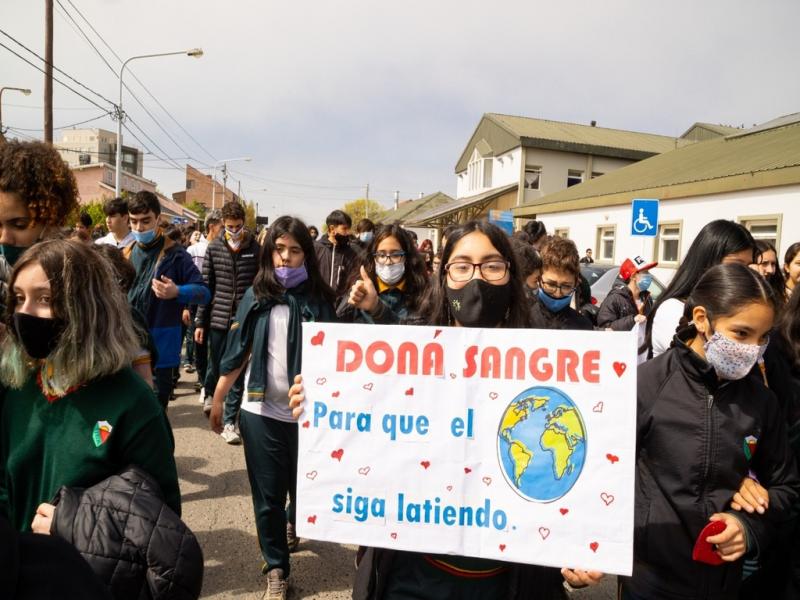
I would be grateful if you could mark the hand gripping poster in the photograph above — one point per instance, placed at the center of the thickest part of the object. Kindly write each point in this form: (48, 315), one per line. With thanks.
(517, 445)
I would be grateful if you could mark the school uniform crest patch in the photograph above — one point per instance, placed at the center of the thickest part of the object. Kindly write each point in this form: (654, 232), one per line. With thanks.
(750, 445)
(102, 429)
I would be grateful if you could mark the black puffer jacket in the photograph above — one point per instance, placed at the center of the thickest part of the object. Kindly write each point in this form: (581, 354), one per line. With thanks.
(692, 456)
(132, 540)
(567, 318)
(619, 309)
(335, 264)
(227, 274)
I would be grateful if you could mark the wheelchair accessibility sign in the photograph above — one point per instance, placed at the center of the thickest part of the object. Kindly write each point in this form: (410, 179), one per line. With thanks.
(644, 217)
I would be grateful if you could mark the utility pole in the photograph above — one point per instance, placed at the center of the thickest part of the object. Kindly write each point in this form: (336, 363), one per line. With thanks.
(48, 71)
(224, 181)
(366, 203)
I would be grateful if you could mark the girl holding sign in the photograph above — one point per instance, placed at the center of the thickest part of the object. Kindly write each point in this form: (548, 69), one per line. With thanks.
(266, 339)
(478, 285)
(392, 280)
(704, 422)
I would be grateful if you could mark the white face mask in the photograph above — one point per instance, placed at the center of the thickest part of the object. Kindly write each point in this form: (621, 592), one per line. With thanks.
(390, 274)
(732, 360)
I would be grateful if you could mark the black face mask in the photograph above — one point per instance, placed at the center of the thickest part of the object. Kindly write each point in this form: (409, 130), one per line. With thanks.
(479, 304)
(341, 240)
(38, 336)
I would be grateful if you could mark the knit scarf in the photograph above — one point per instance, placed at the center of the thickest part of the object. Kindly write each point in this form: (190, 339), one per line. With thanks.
(250, 332)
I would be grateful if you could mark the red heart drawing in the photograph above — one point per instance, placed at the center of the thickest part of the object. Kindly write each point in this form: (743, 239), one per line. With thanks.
(311, 475)
(594, 546)
(612, 458)
(607, 498)
(487, 480)
(437, 333)
(410, 391)
(703, 551)
(363, 471)
(452, 375)
(368, 387)
(318, 339)
(393, 536)
(563, 511)
(337, 454)
(312, 519)
(467, 470)
(306, 424)
(335, 394)
(321, 381)
(449, 488)
(544, 532)
(598, 408)
(426, 463)
(619, 368)
(493, 395)
(502, 547)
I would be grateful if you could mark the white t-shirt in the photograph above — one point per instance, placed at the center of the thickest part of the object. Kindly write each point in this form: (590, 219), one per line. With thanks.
(112, 241)
(276, 398)
(666, 321)
(198, 253)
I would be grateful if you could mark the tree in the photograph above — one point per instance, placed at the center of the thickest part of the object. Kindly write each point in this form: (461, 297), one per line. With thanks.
(363, 208)
(94, 210)
(250, 216)
(198, 208)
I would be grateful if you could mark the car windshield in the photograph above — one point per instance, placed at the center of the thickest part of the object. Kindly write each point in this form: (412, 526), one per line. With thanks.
(603, 278)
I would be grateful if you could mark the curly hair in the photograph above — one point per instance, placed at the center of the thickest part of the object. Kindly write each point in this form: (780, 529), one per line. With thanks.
(560, 254)
(38, 175)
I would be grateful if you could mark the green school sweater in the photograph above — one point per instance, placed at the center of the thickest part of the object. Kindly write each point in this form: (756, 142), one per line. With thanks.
(79, 440)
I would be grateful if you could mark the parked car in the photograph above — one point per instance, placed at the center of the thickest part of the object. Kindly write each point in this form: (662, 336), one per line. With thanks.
(601, 279)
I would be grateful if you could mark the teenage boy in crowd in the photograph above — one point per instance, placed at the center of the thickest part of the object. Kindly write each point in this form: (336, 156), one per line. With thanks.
(229, 267)
(166, 281)
(212, 227)
(335, 255)
(119, 230)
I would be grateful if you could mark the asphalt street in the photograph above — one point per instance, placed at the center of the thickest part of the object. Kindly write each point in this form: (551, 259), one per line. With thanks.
(218, 509)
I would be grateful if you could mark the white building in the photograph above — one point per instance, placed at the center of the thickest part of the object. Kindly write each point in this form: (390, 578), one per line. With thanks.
(79, 147)
(751, 176)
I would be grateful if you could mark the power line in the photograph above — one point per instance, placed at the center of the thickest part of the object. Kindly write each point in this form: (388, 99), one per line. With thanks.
(73, 90)
(107, 45)
(7, 104)
(166, 160)
(67, 126)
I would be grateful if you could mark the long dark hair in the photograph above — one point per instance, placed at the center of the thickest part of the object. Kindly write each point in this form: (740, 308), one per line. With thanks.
(415, 275)
(265, 286)
(791, 253)
(715, 241)
(437, 306)
(776, 280)
(789, 328)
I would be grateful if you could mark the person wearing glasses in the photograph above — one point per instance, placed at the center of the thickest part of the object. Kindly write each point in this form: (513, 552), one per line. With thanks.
(479, 285)
(550, 307)
(390, 283)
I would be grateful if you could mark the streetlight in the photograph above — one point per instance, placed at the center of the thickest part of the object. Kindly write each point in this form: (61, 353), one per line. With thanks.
(255, 192)
(25, 91)
(224, 164)
(194, 52)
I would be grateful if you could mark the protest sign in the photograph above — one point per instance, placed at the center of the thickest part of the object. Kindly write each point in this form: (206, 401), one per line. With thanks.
(517, 445)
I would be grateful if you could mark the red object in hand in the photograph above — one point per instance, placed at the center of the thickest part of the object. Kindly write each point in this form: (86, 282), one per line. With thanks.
(703, 551)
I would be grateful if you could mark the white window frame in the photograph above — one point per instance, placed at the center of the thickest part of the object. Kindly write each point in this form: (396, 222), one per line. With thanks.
(777, 219)
(562, 232)
(601, 237)
(572, 173)
(475, 171)
(662, 262)
(533, 169)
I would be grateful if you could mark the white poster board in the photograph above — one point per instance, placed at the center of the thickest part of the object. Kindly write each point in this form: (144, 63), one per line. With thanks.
(517, 445)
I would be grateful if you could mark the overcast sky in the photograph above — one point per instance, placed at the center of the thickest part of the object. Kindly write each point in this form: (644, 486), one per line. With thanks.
(329, 96)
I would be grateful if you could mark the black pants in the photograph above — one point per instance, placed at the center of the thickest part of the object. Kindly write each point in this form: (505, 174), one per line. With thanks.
(216, 348)
(164, 378)
(270, 453)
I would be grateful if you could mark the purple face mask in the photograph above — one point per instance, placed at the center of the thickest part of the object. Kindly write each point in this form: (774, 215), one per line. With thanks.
(290, 277)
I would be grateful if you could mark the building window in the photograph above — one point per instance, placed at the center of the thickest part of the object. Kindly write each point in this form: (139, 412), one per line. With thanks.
(189, 184)
(84, 159)
(596, 174)
(606, 237)
(668, 243)
(533, 176)
(562, 232)
(474, 171)
(767, 228)
(487, 172)
(574, 177)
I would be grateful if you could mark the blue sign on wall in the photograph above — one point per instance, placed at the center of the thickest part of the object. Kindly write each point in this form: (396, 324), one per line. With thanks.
(644, 217)
(503, 219)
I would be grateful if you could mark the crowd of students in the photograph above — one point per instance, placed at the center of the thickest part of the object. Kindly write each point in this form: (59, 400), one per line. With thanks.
(93, 338)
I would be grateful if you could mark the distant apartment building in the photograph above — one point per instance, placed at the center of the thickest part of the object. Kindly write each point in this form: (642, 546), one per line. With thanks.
(80, 147)
(200, 188)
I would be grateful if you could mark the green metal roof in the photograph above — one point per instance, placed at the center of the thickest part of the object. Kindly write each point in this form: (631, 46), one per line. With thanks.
(408, 209)
(568, 137)
(699, 168)
(720, 129)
